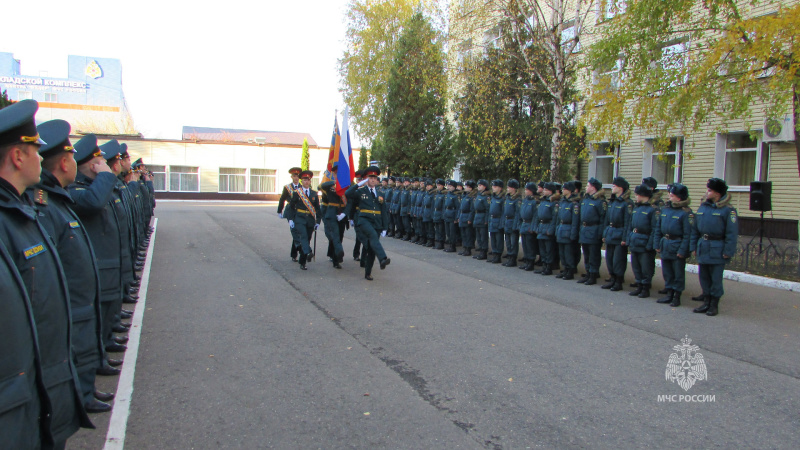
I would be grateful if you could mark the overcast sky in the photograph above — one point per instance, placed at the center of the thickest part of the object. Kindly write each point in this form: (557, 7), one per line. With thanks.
(267, 65)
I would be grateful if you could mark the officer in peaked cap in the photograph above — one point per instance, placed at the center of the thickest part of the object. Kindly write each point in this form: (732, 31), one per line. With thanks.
(286, 195)
(304, 216)
(358, 252)
(372, 218)
(335, 221)
(37, 261)
(54, 203)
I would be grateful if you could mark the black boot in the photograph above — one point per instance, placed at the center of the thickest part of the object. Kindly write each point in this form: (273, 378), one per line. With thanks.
(450, 248)
(512, 261)
(639, 288)
(538, 262)
(548, 269)
(618, 280)
(635, 284)
(467, 251)
(663, 291)
(584, 278)
(676, 300)
(431, 243)
(439, 245)
(592, 279)
(561, 274)
(699, 298)
(481, 256)
(497, 259)
(525, 265)
(705, 307)
(569, 274)
(645, 291)
(609, 283)
(302, 261)
(667, 298)
(713, 308)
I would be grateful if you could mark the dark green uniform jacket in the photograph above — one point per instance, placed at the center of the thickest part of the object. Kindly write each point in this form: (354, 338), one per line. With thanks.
(618, 218)
(451, 206)
(593, 218)
(370, 210)
(481, 207)
(496, 202)
(547, 216)
(644, 222)
(674, 230)
(466, 214)
(527, 215)
(511, 212)
(715, 232)
(569, 213)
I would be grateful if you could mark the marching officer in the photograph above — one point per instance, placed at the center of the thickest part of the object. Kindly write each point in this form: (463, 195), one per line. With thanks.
(450, 216)
(569, 211)
(593, 217)
(286, 195)
(496, 205)
(714, 238)
(358, 252)
(641, 239)
(511, 206)
(547, 214)
(480, 221)
(334, 219)
(38, 262)
(527, 227)
(466, 216)
(372, 218)
(304, 215)
(672, 241)
(618, 220)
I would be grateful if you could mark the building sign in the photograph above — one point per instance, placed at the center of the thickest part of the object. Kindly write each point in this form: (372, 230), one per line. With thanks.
(43, 84)
(93, 70)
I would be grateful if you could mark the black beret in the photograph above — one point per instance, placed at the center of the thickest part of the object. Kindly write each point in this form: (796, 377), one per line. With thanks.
(17, 123)
(651, 182)
(621, 182)
(484, 182)
(717, 185)
(453, 183)
(596, 183)
(471, 184)
(681, 191)
(497, 183)
(56, 135)
(643, 190)
(531, 186)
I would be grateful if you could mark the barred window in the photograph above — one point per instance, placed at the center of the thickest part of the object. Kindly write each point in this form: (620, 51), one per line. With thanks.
(262, 180)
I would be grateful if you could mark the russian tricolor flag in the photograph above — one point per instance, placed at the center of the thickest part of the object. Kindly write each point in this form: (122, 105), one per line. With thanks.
(345, 169)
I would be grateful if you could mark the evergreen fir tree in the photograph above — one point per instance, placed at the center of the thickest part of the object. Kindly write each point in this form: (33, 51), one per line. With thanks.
(305, 156)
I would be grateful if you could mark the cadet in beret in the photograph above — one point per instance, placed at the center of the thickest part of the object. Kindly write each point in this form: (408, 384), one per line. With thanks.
(427, 212)
(569, 211)
(511, 206)
(466, 216)
(618, 220)
(334, 218)
(438, 214)
(496, 233)
(714, 237)
(372, 220)
(593, 217)
(547, 215)
(672, 241)
(527, 227)
(480, 221)
(450, 213)
(38, 263)
(641, 240)
(304, 215)
(286, 195)
(59, 169)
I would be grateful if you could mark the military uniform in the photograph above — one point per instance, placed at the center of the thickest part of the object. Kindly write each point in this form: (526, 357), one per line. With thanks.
(480, 221)
(641, 241)
(427, 213)
(286, 196)
(438, 215)
(547, 216)
(372, 220)
(404, 209)
(714, 237)
(672, 241)
(569, 211)
(450, 217)
(593, 218)
(334, 219)
(398, 229)
(466, 217)
(304, 216)
(618, 220)
(496, 233)
(511, 207)
(527, 228)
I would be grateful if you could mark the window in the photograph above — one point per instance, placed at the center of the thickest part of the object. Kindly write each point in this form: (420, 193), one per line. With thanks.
(673, 62)
(568, 36)
(464, 52)
(491, 38)
(315, 182)
(24, 95)
(159, 177)
(609, 76)
(262, 180)
(667, 168)
(184, 179)
(608, 9)
(232, 180)
(605, 162)
(52, 98)
(746, 160)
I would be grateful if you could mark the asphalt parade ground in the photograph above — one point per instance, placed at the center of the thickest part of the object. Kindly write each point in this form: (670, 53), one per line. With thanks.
(239, 348)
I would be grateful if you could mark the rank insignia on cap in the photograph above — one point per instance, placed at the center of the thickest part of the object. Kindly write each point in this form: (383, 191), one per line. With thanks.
(40, 196)
(30, 252)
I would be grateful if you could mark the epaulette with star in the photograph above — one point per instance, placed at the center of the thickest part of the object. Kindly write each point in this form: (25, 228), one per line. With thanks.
(40, 197)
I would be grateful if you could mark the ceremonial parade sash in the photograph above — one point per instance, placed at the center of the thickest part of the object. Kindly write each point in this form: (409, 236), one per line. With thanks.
(304, 198)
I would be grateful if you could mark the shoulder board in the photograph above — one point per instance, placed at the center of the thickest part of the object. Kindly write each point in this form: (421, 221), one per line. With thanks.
(40, 196)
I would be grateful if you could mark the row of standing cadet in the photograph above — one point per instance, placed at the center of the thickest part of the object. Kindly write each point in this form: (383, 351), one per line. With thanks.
(556, 223)
(73, 234)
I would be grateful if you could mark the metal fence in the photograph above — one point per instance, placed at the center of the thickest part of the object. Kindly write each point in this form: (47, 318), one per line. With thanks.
(771, 258)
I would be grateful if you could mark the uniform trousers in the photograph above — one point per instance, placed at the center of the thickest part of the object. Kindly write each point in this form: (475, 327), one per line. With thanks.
(643, 265)
(430, 230)
(674, 271)
(305, 229)
(481, 237)
(616, 259)
(530, 247)
(546, 246)
(391, 224)
(440, 233)
(512, 244)
(399, 226)
(711, 279)
(451, 229)
(566, 252)
(407, 225)
(467, 235)
(591, 257)
(497, 241)
(334, 231)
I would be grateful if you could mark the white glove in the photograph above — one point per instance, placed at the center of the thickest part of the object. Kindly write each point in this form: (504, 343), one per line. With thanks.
(363, 182)
(340, 216)
(352, 224)
(316, 225)
(280, 215)
(383, 233)
(291, 224)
